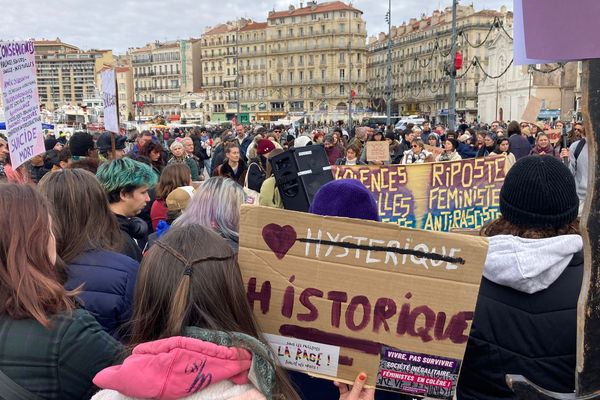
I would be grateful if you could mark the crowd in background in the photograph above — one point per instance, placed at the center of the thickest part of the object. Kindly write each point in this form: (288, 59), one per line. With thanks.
(120, 242)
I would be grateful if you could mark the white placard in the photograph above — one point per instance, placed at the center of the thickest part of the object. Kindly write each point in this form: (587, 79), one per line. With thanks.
(21, 101)
(302, 355)
(109, 96)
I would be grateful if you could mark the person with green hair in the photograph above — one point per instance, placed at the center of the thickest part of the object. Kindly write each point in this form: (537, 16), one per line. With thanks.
(126, 183)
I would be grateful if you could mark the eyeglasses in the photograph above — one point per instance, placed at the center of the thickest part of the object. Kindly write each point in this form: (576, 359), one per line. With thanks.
(415, 146)
(276, 131)
(578, 130)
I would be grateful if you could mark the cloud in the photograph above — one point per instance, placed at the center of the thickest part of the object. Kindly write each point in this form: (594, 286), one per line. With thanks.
(121, 24)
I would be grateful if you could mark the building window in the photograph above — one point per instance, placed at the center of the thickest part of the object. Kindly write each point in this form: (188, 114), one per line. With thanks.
(342, 57)
(291, 92)
(301, 76)
(342, 73)
(323, 90)
(342, 90)
(323, 72)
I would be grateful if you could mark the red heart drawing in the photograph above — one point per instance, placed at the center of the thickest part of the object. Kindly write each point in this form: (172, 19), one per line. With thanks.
(279, 238)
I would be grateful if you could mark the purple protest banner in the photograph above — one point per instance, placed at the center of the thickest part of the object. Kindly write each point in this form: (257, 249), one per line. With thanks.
(21, 101)
(549, 35)
(442, 196)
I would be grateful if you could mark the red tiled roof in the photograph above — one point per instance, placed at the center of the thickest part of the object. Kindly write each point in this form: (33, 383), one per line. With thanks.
(322, 7)
(121, 69)
(140, 49)
(219, 29)
(412, 27)
(253, 26)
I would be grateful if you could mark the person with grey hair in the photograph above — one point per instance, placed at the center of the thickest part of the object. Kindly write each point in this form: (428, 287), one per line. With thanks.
(216, 205)
(179, 156)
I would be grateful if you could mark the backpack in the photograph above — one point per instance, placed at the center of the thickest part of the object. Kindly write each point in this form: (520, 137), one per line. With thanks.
(578, 149)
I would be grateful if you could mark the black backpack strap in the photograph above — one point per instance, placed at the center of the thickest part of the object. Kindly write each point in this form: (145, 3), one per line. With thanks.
(578, 149)
(10, 390)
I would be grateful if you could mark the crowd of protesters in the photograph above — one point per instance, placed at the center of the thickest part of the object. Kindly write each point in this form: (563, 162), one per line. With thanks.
(118, 258)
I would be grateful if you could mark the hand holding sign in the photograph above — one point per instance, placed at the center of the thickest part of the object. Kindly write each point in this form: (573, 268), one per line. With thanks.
(357, 391)
(335, 297)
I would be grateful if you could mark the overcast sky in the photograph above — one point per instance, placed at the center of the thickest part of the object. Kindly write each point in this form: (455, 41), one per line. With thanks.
(121, 24)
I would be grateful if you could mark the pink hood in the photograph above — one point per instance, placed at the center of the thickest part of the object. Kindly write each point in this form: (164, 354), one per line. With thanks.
(175, 367)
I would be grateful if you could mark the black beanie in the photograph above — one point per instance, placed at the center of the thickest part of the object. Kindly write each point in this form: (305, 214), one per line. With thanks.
(539, 192)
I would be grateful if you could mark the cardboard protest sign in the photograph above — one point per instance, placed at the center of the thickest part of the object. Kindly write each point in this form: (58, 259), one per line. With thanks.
(378, 151)
(532, 110)
(21, 101)
(439, 196)
(337, 296)
(109, 96)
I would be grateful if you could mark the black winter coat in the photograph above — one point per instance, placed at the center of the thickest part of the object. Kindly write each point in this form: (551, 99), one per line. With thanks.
(133, 229)
(533, 335)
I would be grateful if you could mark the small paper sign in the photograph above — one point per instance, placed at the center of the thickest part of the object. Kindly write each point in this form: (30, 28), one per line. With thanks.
(378, 151)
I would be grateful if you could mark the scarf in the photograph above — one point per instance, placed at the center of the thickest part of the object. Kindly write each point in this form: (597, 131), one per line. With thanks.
(548, 150)
(262, 363)
(445, 156)
(416, 158)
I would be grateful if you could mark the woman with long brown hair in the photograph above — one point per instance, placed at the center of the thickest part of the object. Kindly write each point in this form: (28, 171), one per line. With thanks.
(89, 241)
(155, 155)
(190, 300)
(48, 348)
(174, 176)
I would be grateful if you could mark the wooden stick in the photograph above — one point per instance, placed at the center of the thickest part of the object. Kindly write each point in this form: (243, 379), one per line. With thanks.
(588, 313)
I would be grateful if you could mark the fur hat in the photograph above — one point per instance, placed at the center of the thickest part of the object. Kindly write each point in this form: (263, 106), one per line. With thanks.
(345, 198)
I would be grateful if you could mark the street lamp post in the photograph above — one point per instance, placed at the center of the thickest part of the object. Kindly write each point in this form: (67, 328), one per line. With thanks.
(452, 68)
(350, 74)
(389, 66)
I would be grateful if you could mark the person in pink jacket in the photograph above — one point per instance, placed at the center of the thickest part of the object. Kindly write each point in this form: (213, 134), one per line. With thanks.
(193, 332)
